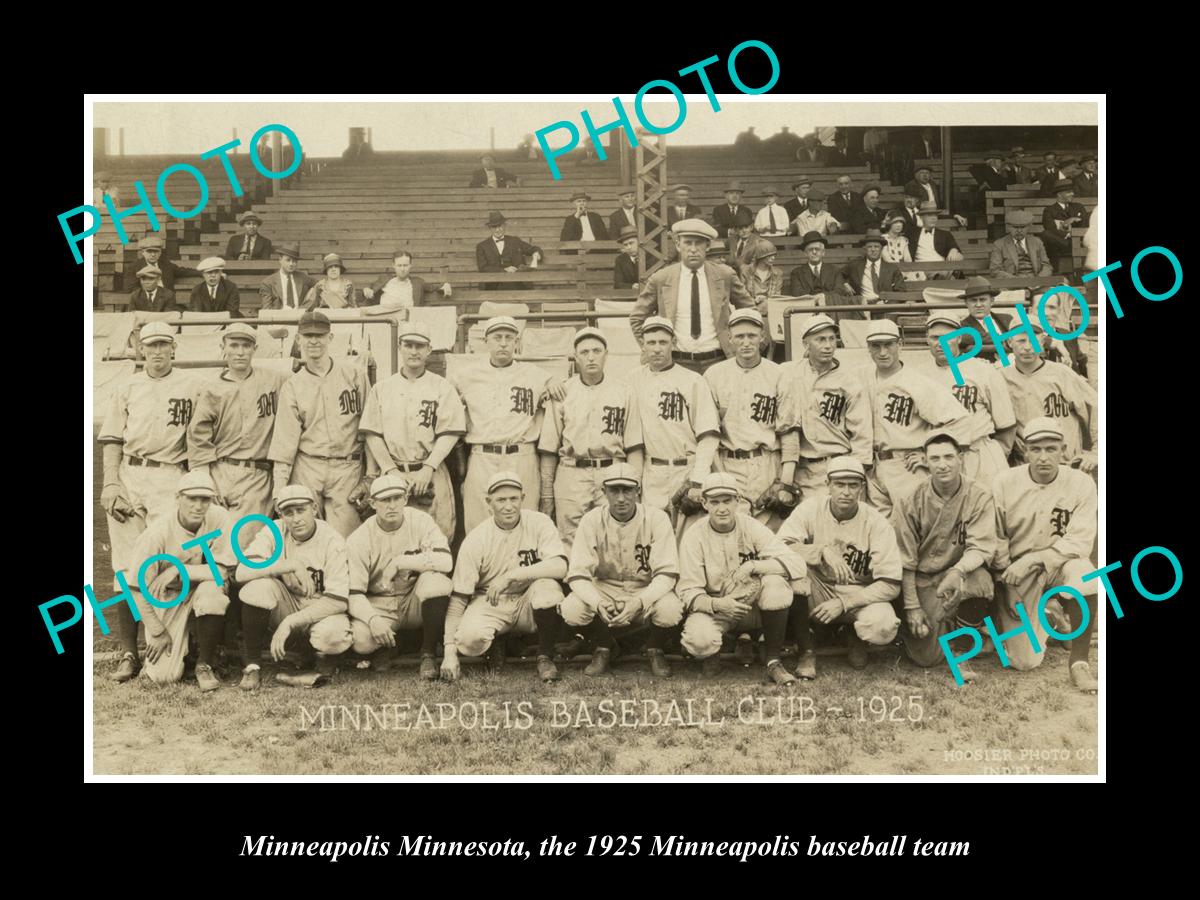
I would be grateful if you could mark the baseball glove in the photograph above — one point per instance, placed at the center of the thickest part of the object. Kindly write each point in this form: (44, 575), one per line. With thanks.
(779, 498)
(685, 504)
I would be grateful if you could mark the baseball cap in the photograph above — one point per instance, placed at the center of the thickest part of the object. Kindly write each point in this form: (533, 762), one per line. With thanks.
(505, 479)
(660, 322)
(242, 330)
(845, 466)
(499, 322)
(1041, 429)
(817, 323)
(940, 318)
(292, 495)
(149, 272)
(314, 322)
(196, 484)
(883, 330)
(622, 474)
(746, 315)
(719, 484)
(388, 486)
(589, 332)
(156, 332)
(415, 331)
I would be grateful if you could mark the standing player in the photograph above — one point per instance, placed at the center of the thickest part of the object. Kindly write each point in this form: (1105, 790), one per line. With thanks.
(946, 530)
(304, 590)
(736, 577)
(506, 581)
(623, 570)
(411, 422)
(144, 441)
(504, 418)
(316, 441)
(853, 565)
(1046, 519)
(584, 435)
(907, 405)
(231, 427)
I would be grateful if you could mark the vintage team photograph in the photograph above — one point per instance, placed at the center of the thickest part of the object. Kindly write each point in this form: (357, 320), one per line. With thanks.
(752, 449)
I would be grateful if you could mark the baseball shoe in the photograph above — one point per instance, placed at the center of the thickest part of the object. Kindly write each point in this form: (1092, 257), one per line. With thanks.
(546, 669)
(326, 665)
(777, 674)
(966, 673)
(806, 665)
(711, 666)
(384, 659)
(127, 669)
(206, 678)
(858, 649)
(599, 663)
(572, 648)
(743, 651)
(429, 667)
(496, 655)
(251, 678)
(1083, 679)
(659, 667)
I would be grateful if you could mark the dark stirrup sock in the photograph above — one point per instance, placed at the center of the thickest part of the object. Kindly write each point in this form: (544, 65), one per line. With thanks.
(255, 620)
(1081, 646)
(657, 639)
(209, 631)
(774, 623)
(433, 624)
(548, 622)
(601, 633)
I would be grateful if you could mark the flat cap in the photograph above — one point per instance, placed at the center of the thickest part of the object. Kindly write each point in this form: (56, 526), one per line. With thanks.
(149, 272)
(622, 474)
(882, 330)
(1042, 428)
(293, 495)
(734, 187)
(748, 314)
(196, 484)
(248, 216)
(156, 332)
(845, 467)
(941, 318)
(210, 263)
(696, 227)
(719, 484)
(1064, 186)
(241, 330)
(816, 196)
(388, 486)
(803, 181)
(819, 322)
(413, 330)
(314, 322)
(505, 479)
(626, 189)
(152, 242)
(500, 323)
(627, 232)
(682, 187)
(589, 332)
(658, 322)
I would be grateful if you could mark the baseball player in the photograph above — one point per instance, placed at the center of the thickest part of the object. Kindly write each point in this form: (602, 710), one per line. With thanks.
(316, 441)
(504, 402)
(824, 408)
(506, 580)
(144, 441)
(984, 395)
(623, 570)
(584, 435)
(907, 405)
(304, 590)
(736, 576)
(1046, 523)
(411, 422)
(946, 530)
(853, 564)
(399, 576)
(747, 390)
(680, 425)
(1040, 388)
(231, 427)
(167, 629)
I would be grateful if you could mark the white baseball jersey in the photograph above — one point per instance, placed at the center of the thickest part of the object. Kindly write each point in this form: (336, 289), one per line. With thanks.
(1029, 516)
(323, 554)
(234, 418)
(983, 394)
(591, 421)
(319, 414)
(1059, 392)
(150, 416)
(831, 410)
(504, 403)
(411, 415)
(908, 405)
(933, 533)
(631, 553)
(748, 403)
(866, 541)
(371, 549)
(707, 558)
(676, 408)
(166, 536)
(489, 550)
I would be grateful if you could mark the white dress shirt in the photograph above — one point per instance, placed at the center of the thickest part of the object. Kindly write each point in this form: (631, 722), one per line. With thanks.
(585, 223)
(925, 251)
(762, 222)
(683, 315)
(397, 293)
(867, 293)
(929, 192)
(491, 177)
(283, 291)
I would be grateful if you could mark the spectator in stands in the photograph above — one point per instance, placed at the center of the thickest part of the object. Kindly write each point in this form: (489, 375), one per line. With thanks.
(1049, 167)
(844, 203)
(927, 190)
(582, 225)
(1019, 254)
(870, 276)
(359, 150)
(927, 145)
(935, 244)
(682, 208)
(216, 293)
(103, 186)
(980, 296)
(150, 250)
(287, 288)
(150, 296)
(1068, 169)
(1015, 168)
(1057, 221)
(626, 214)
(741, 246)
(528, 148)
(869, 215)
(815, 218)
(989, 175)
(488, 176)
(625, 269)
(874, 142)
(730, 215)
(909, 212)
(811, 152)
(1087, 182)
(249, 244)
(772, 220)
(504, 252)
(814, 278)
(401, 290)
(798, 203)
(333, 291)
(762, 277)
(896, 248)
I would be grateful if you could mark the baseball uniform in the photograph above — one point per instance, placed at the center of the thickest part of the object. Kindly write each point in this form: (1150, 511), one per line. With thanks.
(934, 533)
(590, 431)
(230, 432)
(487, 552)
(748, 404)
(1055, 520)
(984, 395)
(504, 420)
(867, 542)
(907, 406)
(316, 432)
(148, 417)
(620, 559)
(324, 556)
(1059, 392)
(165, 535)
(708, 558)
(410, 415)
(675, 408)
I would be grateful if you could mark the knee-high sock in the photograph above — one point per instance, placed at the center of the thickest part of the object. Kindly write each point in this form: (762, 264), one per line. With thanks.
(1081, 647)
(547, 628)
(774, 622)
(127, 630)
(255, 620)
(433, 623)
(209, 630)
(798, 619)
(657, 639)
(601, 633)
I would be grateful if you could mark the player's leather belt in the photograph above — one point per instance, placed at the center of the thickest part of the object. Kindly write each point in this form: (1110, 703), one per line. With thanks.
(503, 449)
(585, 463)
(264, 464)
(352, 456)
(894, 454)
(148, 463)
(678, 461)
(743, 454)
(408, 467)
(699, 357)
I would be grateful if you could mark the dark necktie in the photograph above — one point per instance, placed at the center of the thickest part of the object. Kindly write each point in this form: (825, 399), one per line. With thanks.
(695, 304)
(741, 246)
(871, 277)
(291, 297)
(246, 245)
(212, 292)
(771, 217)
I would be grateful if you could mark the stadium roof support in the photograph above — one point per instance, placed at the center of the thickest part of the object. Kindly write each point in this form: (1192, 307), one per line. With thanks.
(650, 168)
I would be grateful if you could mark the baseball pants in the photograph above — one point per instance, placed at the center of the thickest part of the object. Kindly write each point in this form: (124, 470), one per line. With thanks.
(753, 476)
(577, 489)
(1019, 647)
(442, 505)
(890, 482)
(482, 622)
(703, 632)
(665, 612)
(332, 480)
(246, 491)
(660, 482)
(811, 478)
(151, 493)
(331, 635)
(984, 460)
(204, 599)
(482, 466)
(875, 623)
(968, 610)
(402, 611)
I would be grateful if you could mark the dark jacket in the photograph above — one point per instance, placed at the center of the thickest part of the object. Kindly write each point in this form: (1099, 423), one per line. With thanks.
(794, 207)
(572, 229)
(1087, 184)
(420, 289)
(625, 272)
(270, 289)
(262, 247)
(617, 221)
(503, 178)
(516, 251)
(864, 218)
(844, 210)
(1002, 321)
(723, 218)
(890, 276)
(164, 301)
(1057, 242)
(170, 272)
(802, 281)
(693, 212)
(228, 299)
(916, 189)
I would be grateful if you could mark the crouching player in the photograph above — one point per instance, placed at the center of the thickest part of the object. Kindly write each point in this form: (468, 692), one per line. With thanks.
(623, 570)
(302, 591)
(506, 581)
(735, 576)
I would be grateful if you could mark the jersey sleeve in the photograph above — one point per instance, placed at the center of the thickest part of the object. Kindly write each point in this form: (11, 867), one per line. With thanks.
(453, 417)
(201, 431)
(432, 539)
(262, 547)
(705, 417)
(549, 541)
(980, 525)
(885, 558)
(371, 421)
(551, 434)
(358, 553)
(584, 558)
(1082, 397)
(466, 568)
(906, 522)
(337, 569)
(664, 554)
(1003, 558)
(634, 438)
(860, 423)
(999, 399)
(113, 429)
(693, 577)
(285, 438)
(770, 546)
(797, 533)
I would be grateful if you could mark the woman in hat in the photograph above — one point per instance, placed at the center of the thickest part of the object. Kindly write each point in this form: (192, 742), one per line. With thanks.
(333, 291)
(895, 247)
(762, 277)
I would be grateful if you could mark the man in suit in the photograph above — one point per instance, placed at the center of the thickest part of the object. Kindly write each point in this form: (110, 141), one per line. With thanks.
(1048, 167)
(150, 296)
(869, 277)
(844, 202)
(934, 244)
(287, 288)
(488, 176)
(928, 190)
(150, 250)
(811, 152)
(927, 146)
(1067, 172)
(1015, 167)
(682, 207)
(813, 277)
(1018, 253)
(909, 212)
(1087, 182)
(626, 214)
(216, 293)
(729, 216)
(695, 294)
(625, 269)
(742, 247)
(401, 289)
(1057, 221)
(980, 295)
(503, 252)
(798, 203)
(989, 175)
(582, 225)
(249, 244)
(869, 215)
